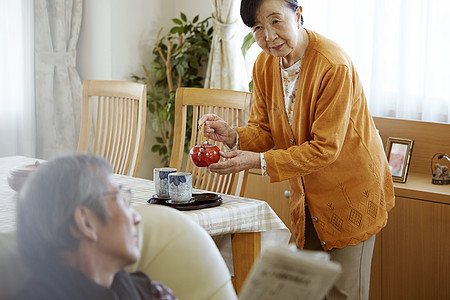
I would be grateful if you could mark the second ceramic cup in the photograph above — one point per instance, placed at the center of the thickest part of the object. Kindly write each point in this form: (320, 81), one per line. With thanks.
(180, 187)
(161, 179)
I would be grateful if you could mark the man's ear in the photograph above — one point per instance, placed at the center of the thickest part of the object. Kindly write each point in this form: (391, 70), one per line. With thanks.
(85, 224)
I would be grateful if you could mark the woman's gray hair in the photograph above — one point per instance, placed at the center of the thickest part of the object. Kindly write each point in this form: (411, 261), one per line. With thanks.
(47, 202)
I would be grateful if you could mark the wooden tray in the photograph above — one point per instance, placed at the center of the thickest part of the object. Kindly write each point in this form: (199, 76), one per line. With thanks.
(198, 201)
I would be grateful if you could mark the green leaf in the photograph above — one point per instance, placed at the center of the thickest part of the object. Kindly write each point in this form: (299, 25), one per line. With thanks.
(180, 70)
(248, 41)
(250, 86)
(183, 17)
(177, 21)
(178, 51)
(175, 30)
(195, 20)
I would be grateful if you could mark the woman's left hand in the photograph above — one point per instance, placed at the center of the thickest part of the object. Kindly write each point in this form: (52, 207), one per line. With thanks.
(238, 161)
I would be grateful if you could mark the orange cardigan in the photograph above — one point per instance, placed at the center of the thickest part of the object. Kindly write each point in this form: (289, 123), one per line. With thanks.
(332, 155)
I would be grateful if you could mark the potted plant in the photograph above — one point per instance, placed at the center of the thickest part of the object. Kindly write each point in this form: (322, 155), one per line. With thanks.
(179, 60)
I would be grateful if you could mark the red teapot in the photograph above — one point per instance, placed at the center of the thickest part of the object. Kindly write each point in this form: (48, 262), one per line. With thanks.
(204, 155)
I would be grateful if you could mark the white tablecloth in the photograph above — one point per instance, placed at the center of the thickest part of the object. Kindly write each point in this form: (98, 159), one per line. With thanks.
(235, 215)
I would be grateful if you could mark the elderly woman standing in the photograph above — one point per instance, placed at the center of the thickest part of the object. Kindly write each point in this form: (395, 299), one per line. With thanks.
(310, 124)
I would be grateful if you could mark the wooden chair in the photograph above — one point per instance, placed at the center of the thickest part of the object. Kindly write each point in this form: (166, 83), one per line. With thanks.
(233, 107)
(118, 111)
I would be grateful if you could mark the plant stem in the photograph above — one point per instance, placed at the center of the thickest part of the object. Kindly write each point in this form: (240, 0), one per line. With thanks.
(163, 136)
(151, 86)
(159, 48)
(167, 61)
(180, 42)
(169, 66)
(170, 138)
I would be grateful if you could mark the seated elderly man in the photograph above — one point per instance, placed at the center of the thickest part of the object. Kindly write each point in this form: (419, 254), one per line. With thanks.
(77, 231)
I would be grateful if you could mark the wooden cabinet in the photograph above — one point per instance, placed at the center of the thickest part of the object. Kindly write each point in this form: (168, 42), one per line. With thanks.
(259, 187)
(412, 254)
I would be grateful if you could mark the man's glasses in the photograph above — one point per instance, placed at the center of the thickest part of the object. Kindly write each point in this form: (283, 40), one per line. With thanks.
(123, 195)
(126, 196)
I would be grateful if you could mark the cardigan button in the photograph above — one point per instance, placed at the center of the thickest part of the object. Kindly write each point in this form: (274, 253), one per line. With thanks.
(292, 141)
(314, 219)
(323, 243)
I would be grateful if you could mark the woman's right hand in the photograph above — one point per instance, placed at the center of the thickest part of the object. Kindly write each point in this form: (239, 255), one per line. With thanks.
(217, 129)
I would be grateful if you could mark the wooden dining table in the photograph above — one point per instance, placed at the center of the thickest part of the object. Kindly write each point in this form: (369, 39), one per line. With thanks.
(252, 224)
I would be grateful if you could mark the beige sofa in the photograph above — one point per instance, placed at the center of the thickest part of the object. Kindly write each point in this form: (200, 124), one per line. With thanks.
(174, 250)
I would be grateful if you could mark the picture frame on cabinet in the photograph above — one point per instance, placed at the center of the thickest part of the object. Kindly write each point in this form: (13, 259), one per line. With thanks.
(398, 151)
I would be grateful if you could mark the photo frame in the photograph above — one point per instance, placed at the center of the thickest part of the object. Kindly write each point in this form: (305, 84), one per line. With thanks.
(398, 153)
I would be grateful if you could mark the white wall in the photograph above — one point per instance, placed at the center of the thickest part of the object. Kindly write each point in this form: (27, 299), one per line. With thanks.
(117, 37)
(93, 49)
(193, 7)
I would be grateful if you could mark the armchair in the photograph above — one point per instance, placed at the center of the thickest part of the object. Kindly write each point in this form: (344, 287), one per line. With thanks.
(174, 250)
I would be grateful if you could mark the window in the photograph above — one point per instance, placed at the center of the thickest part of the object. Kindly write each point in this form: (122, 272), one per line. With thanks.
(16, 78)
(401, 49)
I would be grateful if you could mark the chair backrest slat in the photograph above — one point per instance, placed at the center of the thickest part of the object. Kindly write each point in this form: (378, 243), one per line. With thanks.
(123, 134)
(118, 109)
(116, 131)
(130, 111)
(233, 107)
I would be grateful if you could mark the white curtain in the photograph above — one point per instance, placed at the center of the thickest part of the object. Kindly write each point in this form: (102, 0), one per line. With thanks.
(401, 49)
(226, 67)
(17, 110)
(58, 85)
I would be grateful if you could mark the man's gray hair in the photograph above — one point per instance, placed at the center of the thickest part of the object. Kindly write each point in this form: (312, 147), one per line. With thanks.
(47, 202)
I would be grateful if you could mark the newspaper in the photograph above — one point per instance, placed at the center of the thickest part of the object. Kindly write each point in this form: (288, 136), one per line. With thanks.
(285, 272)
